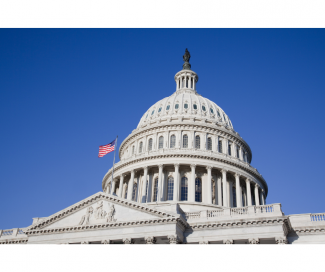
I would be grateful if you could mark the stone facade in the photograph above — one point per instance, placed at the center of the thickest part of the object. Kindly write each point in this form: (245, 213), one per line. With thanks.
(184, 177)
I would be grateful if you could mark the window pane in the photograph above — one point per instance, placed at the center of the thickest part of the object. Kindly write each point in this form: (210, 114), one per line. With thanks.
(209, 144)
(170, 188)
(176, 106)
(146, 199)
(185, 141)
(198, 190)
(211, 110)
(161, 142)
(197, 142)
(203, 108)
(234, 197)
(155, 190)
(184, 189)
(168, 107)
(218, 113)
(159, 109)
(140, 147)
(150, 145)
(132, 150)
(172, 141)
(237, 147)
(152, 112)
(220, 146)
(229, 149)
(195, 106)
(185, 106)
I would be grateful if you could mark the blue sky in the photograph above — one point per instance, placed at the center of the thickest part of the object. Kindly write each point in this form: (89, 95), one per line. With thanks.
(64, 92)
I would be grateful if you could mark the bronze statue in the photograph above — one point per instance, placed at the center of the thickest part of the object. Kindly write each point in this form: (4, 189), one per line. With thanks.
(186, 58)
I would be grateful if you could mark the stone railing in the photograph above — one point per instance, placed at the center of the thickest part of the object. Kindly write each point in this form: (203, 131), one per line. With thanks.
(317, 217)
(12, 233)
(250, 211)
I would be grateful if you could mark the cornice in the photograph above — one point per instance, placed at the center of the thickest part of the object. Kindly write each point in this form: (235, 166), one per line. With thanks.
(14, 241)
(223, 159)
(215, 129)
(148, 222)
(309, 230)
(89, 201)
(238, 223)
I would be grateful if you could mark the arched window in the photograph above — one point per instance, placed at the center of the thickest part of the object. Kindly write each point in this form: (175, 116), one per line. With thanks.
(159, 109)
(195, 106)
(161, 142)
(172, 141)
(140, 147)
(170, 188)
(184, 189)
(134, 193)
(185, 106)
(220, 146)
(168, 107)
(155, 190)
(176, 106)
(197, 142)
(229, 149)
(211, 110)
(218, 113)
(152, 112)
(203, 108)
(185, 141)
(198, 190)
(209, 144)
(150, 144)
(132, 150)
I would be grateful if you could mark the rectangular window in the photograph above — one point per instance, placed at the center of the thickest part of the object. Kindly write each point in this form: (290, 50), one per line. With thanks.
(229, 149)
(220, 146)
(237, 147)
(209, 144)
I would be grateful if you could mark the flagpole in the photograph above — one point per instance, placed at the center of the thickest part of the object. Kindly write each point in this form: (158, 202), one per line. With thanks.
(113, 164)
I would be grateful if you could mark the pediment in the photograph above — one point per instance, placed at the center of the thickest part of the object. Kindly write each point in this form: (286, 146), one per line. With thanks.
(101, 208)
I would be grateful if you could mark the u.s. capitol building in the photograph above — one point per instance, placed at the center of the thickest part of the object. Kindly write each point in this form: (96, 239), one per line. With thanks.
(184, 176)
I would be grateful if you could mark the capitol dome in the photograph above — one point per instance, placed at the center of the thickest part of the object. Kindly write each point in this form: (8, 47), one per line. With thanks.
(186, 103)
(185, 151)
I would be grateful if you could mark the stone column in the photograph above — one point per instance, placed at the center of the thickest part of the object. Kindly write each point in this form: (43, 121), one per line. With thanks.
(238, 191)
(123, 191)
(209, 186)
(130, 186)
(120, 190)
(248, 192)
(263, 197)
(144, 185)
(219, 191)
(160, 194)
(257, 199)
(113, 186)
(176, 183)
(191, 188)
(224, 185)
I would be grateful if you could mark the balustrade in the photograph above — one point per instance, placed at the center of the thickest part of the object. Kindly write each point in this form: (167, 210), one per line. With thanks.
(192, 215)
(317, 217)
(264, 209)
(215, 213)
(7, 232)
(239, 211)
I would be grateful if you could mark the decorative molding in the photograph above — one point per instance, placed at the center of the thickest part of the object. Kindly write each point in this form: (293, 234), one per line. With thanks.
(173, 239)
(127, 241)
(228, 241)
(106, 242)
(150, 240)
(254, 241)
(91, 200)
(281, 240)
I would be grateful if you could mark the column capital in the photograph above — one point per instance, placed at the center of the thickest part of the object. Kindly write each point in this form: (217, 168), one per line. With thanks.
(209, 167)
(132, 171)
(193, 166)
(248, 180)
(173, 239)
(176, 164)
(122, 175)
(150, 240)
(256, 185)
(223, 171)
(237, 175)
(160, 166)
(145, 168)
(127, 241)
(254, 241)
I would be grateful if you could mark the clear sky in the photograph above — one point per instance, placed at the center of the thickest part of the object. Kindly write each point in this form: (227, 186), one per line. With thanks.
(64, 92)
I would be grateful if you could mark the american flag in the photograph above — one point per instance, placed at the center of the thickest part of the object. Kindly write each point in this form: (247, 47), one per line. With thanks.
(105, 149)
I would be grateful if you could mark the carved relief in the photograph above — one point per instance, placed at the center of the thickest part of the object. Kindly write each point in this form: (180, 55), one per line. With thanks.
(254, 241)
(110, 216)
(99, 212)
(173, 239)
(228, 242)
(281, 240)
(106, 242)
(85, 218)
(150, 240)
(127, 241)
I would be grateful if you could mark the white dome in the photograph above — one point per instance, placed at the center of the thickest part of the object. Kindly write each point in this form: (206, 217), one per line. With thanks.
(186, 103)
